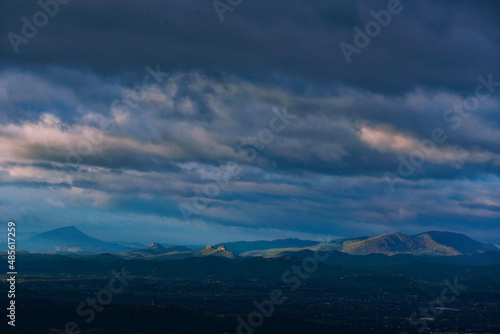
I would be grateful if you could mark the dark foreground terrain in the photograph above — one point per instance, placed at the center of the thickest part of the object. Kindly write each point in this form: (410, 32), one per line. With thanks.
(346, 294)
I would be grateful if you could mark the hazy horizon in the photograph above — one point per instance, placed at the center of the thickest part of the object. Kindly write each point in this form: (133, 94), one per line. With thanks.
(205, 242)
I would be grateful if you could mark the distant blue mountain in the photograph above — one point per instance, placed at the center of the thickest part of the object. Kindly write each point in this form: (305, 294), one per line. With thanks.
(70, 240)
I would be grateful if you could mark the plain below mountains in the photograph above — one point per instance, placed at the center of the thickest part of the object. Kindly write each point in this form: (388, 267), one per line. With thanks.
(434, 243)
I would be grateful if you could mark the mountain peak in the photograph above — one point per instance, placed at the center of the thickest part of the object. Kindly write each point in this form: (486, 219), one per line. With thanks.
(71, 228)
(64, 232)
(69, 239)
(157, 248)
(212, 251)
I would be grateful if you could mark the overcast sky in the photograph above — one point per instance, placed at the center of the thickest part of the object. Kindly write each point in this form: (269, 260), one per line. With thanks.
(158, 121)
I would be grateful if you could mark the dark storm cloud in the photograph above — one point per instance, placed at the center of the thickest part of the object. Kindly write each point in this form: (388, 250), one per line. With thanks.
(436, 44)
(192, 117)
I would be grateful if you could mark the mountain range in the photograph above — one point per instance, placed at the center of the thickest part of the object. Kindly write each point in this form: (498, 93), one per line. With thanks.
(434, 243)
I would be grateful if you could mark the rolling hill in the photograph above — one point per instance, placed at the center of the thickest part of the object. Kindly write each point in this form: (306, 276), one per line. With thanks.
(157, 250)
(239, 247)
(429, 243)
(460, 242)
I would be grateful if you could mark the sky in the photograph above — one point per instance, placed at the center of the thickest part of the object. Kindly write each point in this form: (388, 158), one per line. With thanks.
(200, 122)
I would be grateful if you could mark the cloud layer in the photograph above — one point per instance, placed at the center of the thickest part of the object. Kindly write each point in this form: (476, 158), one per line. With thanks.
(116, 114)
